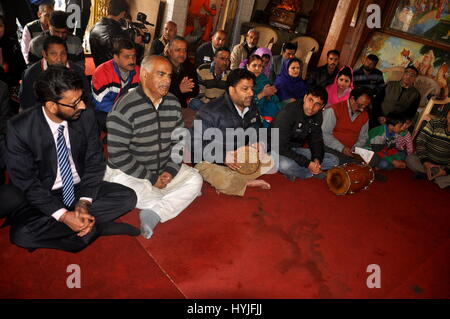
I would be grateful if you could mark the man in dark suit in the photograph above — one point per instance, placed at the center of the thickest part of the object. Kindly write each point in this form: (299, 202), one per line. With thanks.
(287, 52)
(54, 156)
(206, 52)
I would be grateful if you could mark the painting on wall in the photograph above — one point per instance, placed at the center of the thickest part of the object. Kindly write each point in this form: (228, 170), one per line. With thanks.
(393, 51)
(429, 19)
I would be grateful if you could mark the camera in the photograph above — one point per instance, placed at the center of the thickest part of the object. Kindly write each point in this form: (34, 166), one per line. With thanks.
(134, 28)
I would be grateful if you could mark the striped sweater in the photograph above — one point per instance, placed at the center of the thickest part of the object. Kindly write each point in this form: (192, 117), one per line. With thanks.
(433, 144)
(211, 87)
(139, 135)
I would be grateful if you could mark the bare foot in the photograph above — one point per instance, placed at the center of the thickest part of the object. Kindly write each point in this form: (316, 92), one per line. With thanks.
(258, 183)
(399, 164)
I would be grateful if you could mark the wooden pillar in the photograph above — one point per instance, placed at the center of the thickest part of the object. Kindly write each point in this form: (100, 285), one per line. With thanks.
(339, 27)
(358, 36)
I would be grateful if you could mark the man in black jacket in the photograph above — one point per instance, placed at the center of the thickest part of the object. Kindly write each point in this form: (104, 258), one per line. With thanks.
(107, 30)
(184, 84)
(206, 52)
(325, 75)
(300, 122)
(54, 156)
(225, 118)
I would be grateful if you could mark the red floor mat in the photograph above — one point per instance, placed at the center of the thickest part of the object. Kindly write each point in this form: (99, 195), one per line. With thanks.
(301, 241)
(112, 267)
(297, 240)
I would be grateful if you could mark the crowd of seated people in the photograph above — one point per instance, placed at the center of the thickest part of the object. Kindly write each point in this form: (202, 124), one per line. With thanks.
(63, 192)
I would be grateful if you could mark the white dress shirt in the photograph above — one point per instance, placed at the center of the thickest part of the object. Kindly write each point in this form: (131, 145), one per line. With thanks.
(58, 181)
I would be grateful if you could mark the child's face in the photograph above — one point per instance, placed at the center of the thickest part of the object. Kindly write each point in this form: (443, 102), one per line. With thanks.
(343, 82)
(400, 127)
(406, 125)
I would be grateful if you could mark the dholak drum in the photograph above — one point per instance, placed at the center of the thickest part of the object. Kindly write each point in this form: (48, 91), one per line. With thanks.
(349, 178)
(248, 157)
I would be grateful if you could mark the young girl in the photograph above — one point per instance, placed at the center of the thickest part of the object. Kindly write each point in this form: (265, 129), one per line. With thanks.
(264, 93)
(342, 86)
(289, 83)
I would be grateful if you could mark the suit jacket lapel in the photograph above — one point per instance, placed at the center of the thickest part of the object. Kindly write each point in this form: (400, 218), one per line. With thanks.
(48, 142)
(75, 137)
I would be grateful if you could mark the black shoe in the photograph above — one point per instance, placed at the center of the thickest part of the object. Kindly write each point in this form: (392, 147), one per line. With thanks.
(112, 228)
(380, 177)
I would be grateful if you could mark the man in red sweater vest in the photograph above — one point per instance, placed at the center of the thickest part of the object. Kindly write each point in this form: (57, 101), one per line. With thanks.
(345, 125)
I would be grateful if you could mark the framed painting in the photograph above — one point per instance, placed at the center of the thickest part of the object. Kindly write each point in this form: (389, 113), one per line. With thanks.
(426, 19)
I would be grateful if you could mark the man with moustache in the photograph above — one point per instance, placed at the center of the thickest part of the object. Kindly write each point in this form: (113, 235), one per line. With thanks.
(233, 112)
(397, 97)
(245, 49)
(58, 27)
(141, 147)
(369, 76)
(114, 78)
(346, 125)
(212, 79)
(54, 156)
(53, 53)
(184, 84)
(158, 45)
(325, 75)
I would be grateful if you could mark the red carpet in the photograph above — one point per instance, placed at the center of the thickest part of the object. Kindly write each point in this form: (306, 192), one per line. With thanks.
(297, 240)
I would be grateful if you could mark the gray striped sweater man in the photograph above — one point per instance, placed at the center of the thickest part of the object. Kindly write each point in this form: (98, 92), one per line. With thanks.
(139, 135)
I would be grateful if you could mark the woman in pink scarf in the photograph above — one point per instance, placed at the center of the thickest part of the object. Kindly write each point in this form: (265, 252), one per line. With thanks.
(342, 86)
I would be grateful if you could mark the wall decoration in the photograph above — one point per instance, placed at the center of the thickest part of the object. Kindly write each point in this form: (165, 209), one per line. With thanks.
(429, 19)
(393, 51)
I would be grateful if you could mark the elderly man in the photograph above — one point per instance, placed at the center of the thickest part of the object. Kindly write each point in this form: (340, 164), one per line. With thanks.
(35, 28)
(58, 27)
(184, 84)
(242, 51)
(169, 32)
(140, 146)
(232, 112)
(397, 97)
(54, 156)
(325, 75)
(205, 53)
(212, 79)
(346, 125)
(54, 53)
(432, 158)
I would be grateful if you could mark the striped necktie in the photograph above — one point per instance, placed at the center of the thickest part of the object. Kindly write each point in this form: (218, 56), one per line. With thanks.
(64, 167)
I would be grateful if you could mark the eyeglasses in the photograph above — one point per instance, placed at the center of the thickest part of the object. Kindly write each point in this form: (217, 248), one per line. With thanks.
(411, 74)
(75, 104)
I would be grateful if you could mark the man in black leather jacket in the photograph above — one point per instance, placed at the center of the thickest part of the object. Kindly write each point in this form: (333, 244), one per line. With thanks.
(230, 114)
(104, 32)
